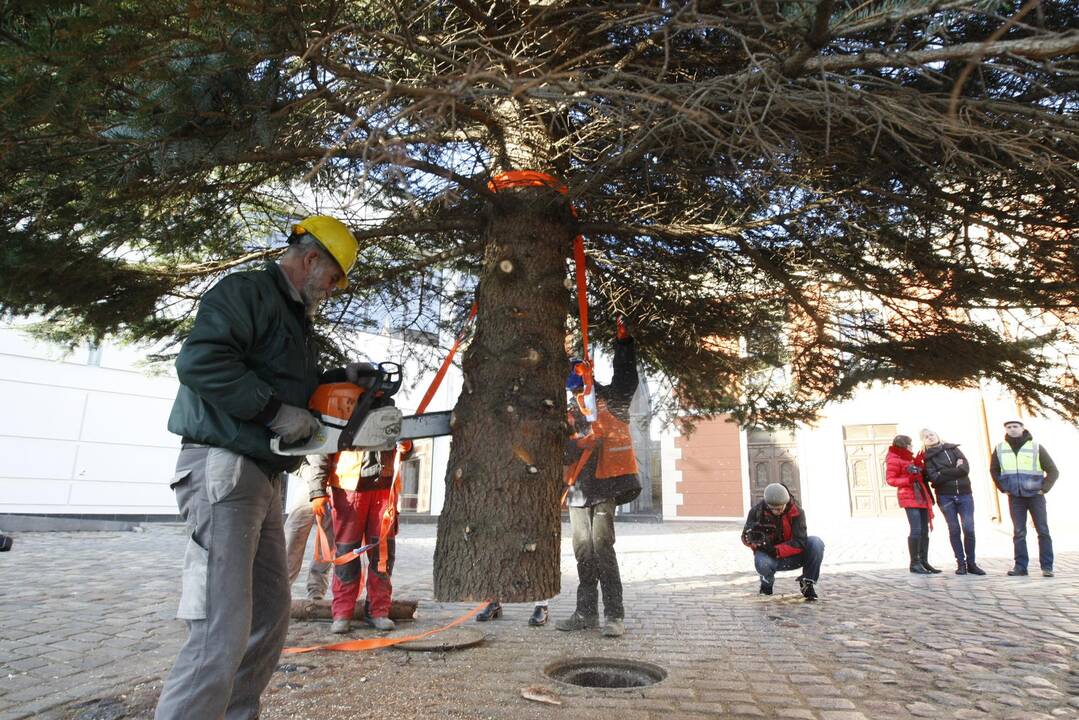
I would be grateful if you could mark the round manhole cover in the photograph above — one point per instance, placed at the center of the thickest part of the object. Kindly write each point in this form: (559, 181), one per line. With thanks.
(610, 673)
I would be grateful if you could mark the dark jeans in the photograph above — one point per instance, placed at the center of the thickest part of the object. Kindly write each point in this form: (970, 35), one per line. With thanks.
(1035, 505)
(597, 565)
(809, 560)
(919, 522)
(958, 511)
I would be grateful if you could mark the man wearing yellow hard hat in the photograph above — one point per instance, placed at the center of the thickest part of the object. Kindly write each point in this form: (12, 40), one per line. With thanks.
(246, 372)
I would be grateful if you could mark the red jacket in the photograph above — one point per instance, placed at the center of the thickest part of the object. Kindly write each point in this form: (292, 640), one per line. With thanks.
(911, 488)
(786, 532)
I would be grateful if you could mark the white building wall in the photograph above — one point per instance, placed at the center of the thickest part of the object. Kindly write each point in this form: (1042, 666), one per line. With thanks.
(956, 415)
(81, 439)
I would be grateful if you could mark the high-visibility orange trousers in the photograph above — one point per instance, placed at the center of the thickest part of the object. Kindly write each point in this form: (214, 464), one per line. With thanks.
(357, 517)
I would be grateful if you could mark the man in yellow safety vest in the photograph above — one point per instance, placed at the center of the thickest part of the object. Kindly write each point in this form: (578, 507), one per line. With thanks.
(1022, 469)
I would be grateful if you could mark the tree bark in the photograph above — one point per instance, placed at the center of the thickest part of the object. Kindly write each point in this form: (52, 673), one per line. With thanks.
(499, 533)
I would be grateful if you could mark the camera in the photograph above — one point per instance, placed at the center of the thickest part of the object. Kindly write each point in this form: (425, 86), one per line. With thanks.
(756, 536)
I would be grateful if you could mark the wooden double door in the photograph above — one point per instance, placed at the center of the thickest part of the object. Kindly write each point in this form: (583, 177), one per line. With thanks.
(773, 457)
(866, 448)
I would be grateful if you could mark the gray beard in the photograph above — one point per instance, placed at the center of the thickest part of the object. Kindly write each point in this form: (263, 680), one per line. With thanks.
(312, 298)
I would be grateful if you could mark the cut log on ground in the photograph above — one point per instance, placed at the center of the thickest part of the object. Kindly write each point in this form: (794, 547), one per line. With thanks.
(303, 609)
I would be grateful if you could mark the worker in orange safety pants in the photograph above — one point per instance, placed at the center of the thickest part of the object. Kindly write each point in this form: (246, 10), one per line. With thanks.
(357, 484)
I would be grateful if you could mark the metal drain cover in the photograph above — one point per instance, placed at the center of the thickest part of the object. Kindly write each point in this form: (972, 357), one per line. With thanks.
(605, 673)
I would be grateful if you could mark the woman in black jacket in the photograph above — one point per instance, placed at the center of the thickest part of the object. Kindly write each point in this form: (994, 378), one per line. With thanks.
(947, 470)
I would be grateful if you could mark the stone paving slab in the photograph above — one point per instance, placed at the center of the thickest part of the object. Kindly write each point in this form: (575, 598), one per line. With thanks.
(90, 616)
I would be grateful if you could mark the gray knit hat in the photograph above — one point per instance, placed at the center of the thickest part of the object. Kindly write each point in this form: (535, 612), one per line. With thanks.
(776, 494)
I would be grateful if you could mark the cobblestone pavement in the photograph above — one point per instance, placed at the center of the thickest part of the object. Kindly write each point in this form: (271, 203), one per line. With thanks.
(86, 633)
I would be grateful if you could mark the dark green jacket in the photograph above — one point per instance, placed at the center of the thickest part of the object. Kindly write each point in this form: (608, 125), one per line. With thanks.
(251, 349)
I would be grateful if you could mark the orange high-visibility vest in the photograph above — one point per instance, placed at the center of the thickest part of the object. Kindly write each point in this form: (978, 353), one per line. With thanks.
(616, 456)
(348, 469)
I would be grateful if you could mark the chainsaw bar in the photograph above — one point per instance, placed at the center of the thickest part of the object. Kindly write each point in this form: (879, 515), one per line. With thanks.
(432, 424)
(381, 429)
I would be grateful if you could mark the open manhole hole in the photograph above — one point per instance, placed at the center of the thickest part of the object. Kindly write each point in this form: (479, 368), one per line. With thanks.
(606, 673)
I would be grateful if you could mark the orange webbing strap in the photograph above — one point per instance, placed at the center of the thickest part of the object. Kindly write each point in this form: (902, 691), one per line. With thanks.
(323, 549)
(572, 479)
(381, 642)
(389, 515)
(582, 298)
(525, 178)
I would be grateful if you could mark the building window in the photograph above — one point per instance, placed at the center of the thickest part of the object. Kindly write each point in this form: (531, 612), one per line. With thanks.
(415, 495)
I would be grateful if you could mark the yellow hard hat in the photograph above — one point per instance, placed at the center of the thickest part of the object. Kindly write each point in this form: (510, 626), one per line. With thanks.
(335, 237)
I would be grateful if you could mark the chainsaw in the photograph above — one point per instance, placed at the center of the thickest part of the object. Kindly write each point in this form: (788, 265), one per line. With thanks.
(355, 417)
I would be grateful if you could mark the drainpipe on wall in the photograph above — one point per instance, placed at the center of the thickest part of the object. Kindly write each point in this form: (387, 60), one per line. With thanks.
(988, 443)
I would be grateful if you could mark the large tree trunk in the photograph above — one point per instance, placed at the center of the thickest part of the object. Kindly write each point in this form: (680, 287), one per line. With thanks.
(499, 532)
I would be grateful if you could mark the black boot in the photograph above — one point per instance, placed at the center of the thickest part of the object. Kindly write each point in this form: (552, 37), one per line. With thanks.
(491, 612)
(914, 548)
(960, 567)
(539, 616)
(974, 569)
(924, 549)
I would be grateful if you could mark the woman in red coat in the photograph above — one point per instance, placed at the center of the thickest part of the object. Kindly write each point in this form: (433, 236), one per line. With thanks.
(905, 473)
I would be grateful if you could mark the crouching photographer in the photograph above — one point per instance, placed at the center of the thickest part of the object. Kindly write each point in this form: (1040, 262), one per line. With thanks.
(776, 532)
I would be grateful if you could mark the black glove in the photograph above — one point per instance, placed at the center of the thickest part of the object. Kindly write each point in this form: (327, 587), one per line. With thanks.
(768, 549)
(914, 469)
(292, 423)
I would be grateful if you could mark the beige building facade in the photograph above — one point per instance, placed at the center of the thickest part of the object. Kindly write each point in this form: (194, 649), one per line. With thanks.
(836, 467)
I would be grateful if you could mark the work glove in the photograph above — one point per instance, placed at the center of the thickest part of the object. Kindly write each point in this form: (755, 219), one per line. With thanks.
(292, 424)
(360, 373)
(320, 505)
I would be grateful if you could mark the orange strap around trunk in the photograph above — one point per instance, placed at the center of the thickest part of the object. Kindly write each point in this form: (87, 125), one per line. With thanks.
(381, 642)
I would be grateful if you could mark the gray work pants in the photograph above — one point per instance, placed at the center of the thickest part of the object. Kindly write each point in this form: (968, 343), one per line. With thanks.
(298, 528)
(235, 595)
(597, 565)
